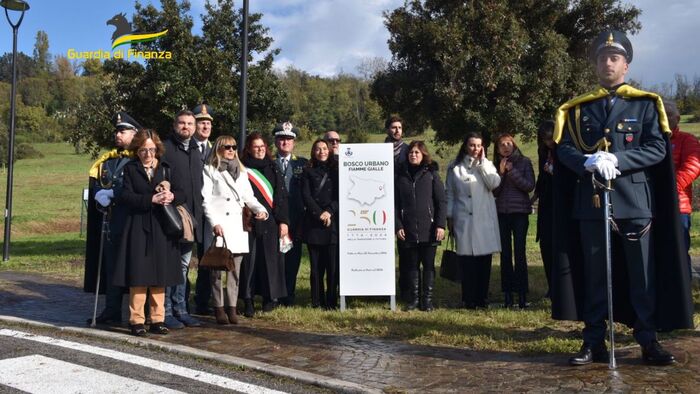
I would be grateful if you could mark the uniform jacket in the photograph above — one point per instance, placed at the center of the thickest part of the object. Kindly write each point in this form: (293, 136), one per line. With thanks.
(646, 188)
(318, 199)
(224, 199)
(109, 169)
(147, 257)
(187, 168)
(292, 181)
(512, 195)
(471, 206)
(420, 203)
(207, 234)
(686, 161)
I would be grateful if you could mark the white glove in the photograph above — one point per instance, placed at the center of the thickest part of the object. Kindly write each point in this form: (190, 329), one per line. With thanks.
(608, 156)
(606, 169)
(591, 162)
(104, 197)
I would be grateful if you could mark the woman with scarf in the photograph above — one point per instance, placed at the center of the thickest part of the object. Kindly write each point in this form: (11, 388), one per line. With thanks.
(262, 271)
(513, 205)
(319, 190)
(226, 191)
(420, 221)
(472, 218)
(148, 258)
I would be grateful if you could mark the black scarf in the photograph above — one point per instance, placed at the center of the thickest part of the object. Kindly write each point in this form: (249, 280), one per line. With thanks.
(258, 164)
(231, 166)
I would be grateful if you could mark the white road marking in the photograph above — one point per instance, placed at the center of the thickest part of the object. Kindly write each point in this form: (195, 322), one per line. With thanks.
(39, 374)
(173, 369)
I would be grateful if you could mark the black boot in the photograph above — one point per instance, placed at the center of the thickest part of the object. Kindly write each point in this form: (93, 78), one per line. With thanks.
(507, 299)
(414, 285)
(522, 300)
(428, 286)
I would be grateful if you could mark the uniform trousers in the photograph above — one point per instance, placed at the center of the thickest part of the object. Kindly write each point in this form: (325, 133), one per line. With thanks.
(230, 296)
(640, 276)
(137, 301)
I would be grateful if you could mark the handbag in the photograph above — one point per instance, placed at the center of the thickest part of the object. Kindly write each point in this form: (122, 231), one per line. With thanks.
(247, 217)
(172, 221)
(218, 257)
(450, 268)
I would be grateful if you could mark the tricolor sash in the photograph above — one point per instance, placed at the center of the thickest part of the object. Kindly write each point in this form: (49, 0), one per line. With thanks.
(261, 183)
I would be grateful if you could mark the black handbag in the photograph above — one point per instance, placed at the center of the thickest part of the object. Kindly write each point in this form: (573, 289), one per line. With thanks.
(218, 257)
(172, 221)
(450, 268)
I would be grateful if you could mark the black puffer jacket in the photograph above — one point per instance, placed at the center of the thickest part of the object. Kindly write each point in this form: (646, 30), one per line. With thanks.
(318, 199)
(421, 205)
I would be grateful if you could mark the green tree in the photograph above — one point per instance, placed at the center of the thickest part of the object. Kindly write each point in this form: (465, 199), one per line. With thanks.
(41, 57)
(493, 65)
(26, 68)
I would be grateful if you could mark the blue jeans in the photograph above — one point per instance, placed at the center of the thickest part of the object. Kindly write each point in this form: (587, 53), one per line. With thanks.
(175, 296)
(685, 222)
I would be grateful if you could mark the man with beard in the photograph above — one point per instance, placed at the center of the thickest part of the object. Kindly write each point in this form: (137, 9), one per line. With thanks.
(617, 136)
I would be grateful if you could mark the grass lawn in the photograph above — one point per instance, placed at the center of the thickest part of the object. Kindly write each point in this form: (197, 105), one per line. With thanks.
(46, 238)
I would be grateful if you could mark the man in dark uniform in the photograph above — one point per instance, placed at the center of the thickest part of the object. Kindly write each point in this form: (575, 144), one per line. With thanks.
(203, 129)
(182, 154)
(616, 135)
(106, 176)
(291, 168)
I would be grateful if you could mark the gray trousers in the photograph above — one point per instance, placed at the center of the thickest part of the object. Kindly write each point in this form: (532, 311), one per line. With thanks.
(217, 286)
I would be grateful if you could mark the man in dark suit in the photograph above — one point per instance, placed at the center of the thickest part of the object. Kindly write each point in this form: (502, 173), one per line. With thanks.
(185, 160)
(616, 134)
(106, 176)
(291, 168)
(203, 128)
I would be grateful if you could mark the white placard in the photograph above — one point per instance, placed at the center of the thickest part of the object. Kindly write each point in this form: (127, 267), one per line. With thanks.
(366, 206)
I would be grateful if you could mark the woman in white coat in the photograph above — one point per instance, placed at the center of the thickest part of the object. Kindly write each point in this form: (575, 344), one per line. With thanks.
(226, 190)
(472, 218)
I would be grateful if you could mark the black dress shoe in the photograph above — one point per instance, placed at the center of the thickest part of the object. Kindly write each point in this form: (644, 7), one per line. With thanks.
(159, 328)
(138, 330)
(654, 354)
(589, 354)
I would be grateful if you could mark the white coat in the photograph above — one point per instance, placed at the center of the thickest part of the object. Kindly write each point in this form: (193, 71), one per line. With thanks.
(223, 206)
(472, 207)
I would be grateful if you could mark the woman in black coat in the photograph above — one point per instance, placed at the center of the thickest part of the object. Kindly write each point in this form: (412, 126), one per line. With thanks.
(544, 192)
(421, 208)
(262, 271)
(148, 259)
(319, 190)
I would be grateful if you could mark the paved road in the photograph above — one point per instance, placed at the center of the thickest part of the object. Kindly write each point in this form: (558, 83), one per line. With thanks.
(361, 364)
(46, 361)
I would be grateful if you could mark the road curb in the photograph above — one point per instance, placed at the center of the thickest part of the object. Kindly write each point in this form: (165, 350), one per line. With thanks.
(270, 369)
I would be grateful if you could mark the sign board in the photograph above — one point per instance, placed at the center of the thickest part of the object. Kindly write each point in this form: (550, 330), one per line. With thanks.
(366, 210)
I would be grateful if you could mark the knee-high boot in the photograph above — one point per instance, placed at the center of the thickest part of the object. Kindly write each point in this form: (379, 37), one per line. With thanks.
(414, 285)
(428, 287)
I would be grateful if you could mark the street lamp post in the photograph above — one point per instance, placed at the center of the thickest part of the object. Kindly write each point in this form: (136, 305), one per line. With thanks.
(14, 5)
(243, 92)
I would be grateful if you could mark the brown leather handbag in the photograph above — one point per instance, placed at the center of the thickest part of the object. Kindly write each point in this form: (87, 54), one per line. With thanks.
(218, 257)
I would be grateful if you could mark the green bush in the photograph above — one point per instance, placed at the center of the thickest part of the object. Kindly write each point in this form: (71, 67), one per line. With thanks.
(26, 151)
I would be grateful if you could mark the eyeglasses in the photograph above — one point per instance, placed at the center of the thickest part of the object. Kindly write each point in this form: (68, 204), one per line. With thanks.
(144, 151)
(334, 140)
(228, 147)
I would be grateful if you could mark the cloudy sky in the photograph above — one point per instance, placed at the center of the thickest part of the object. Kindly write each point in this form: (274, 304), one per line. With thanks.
(326, 37)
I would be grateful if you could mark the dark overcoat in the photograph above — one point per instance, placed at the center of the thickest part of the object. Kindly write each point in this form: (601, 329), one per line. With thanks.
(420, 203)
(292, 182)
(267, 233)
(187, 167)
(147, 257)
(317, 199)
(643, 190)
